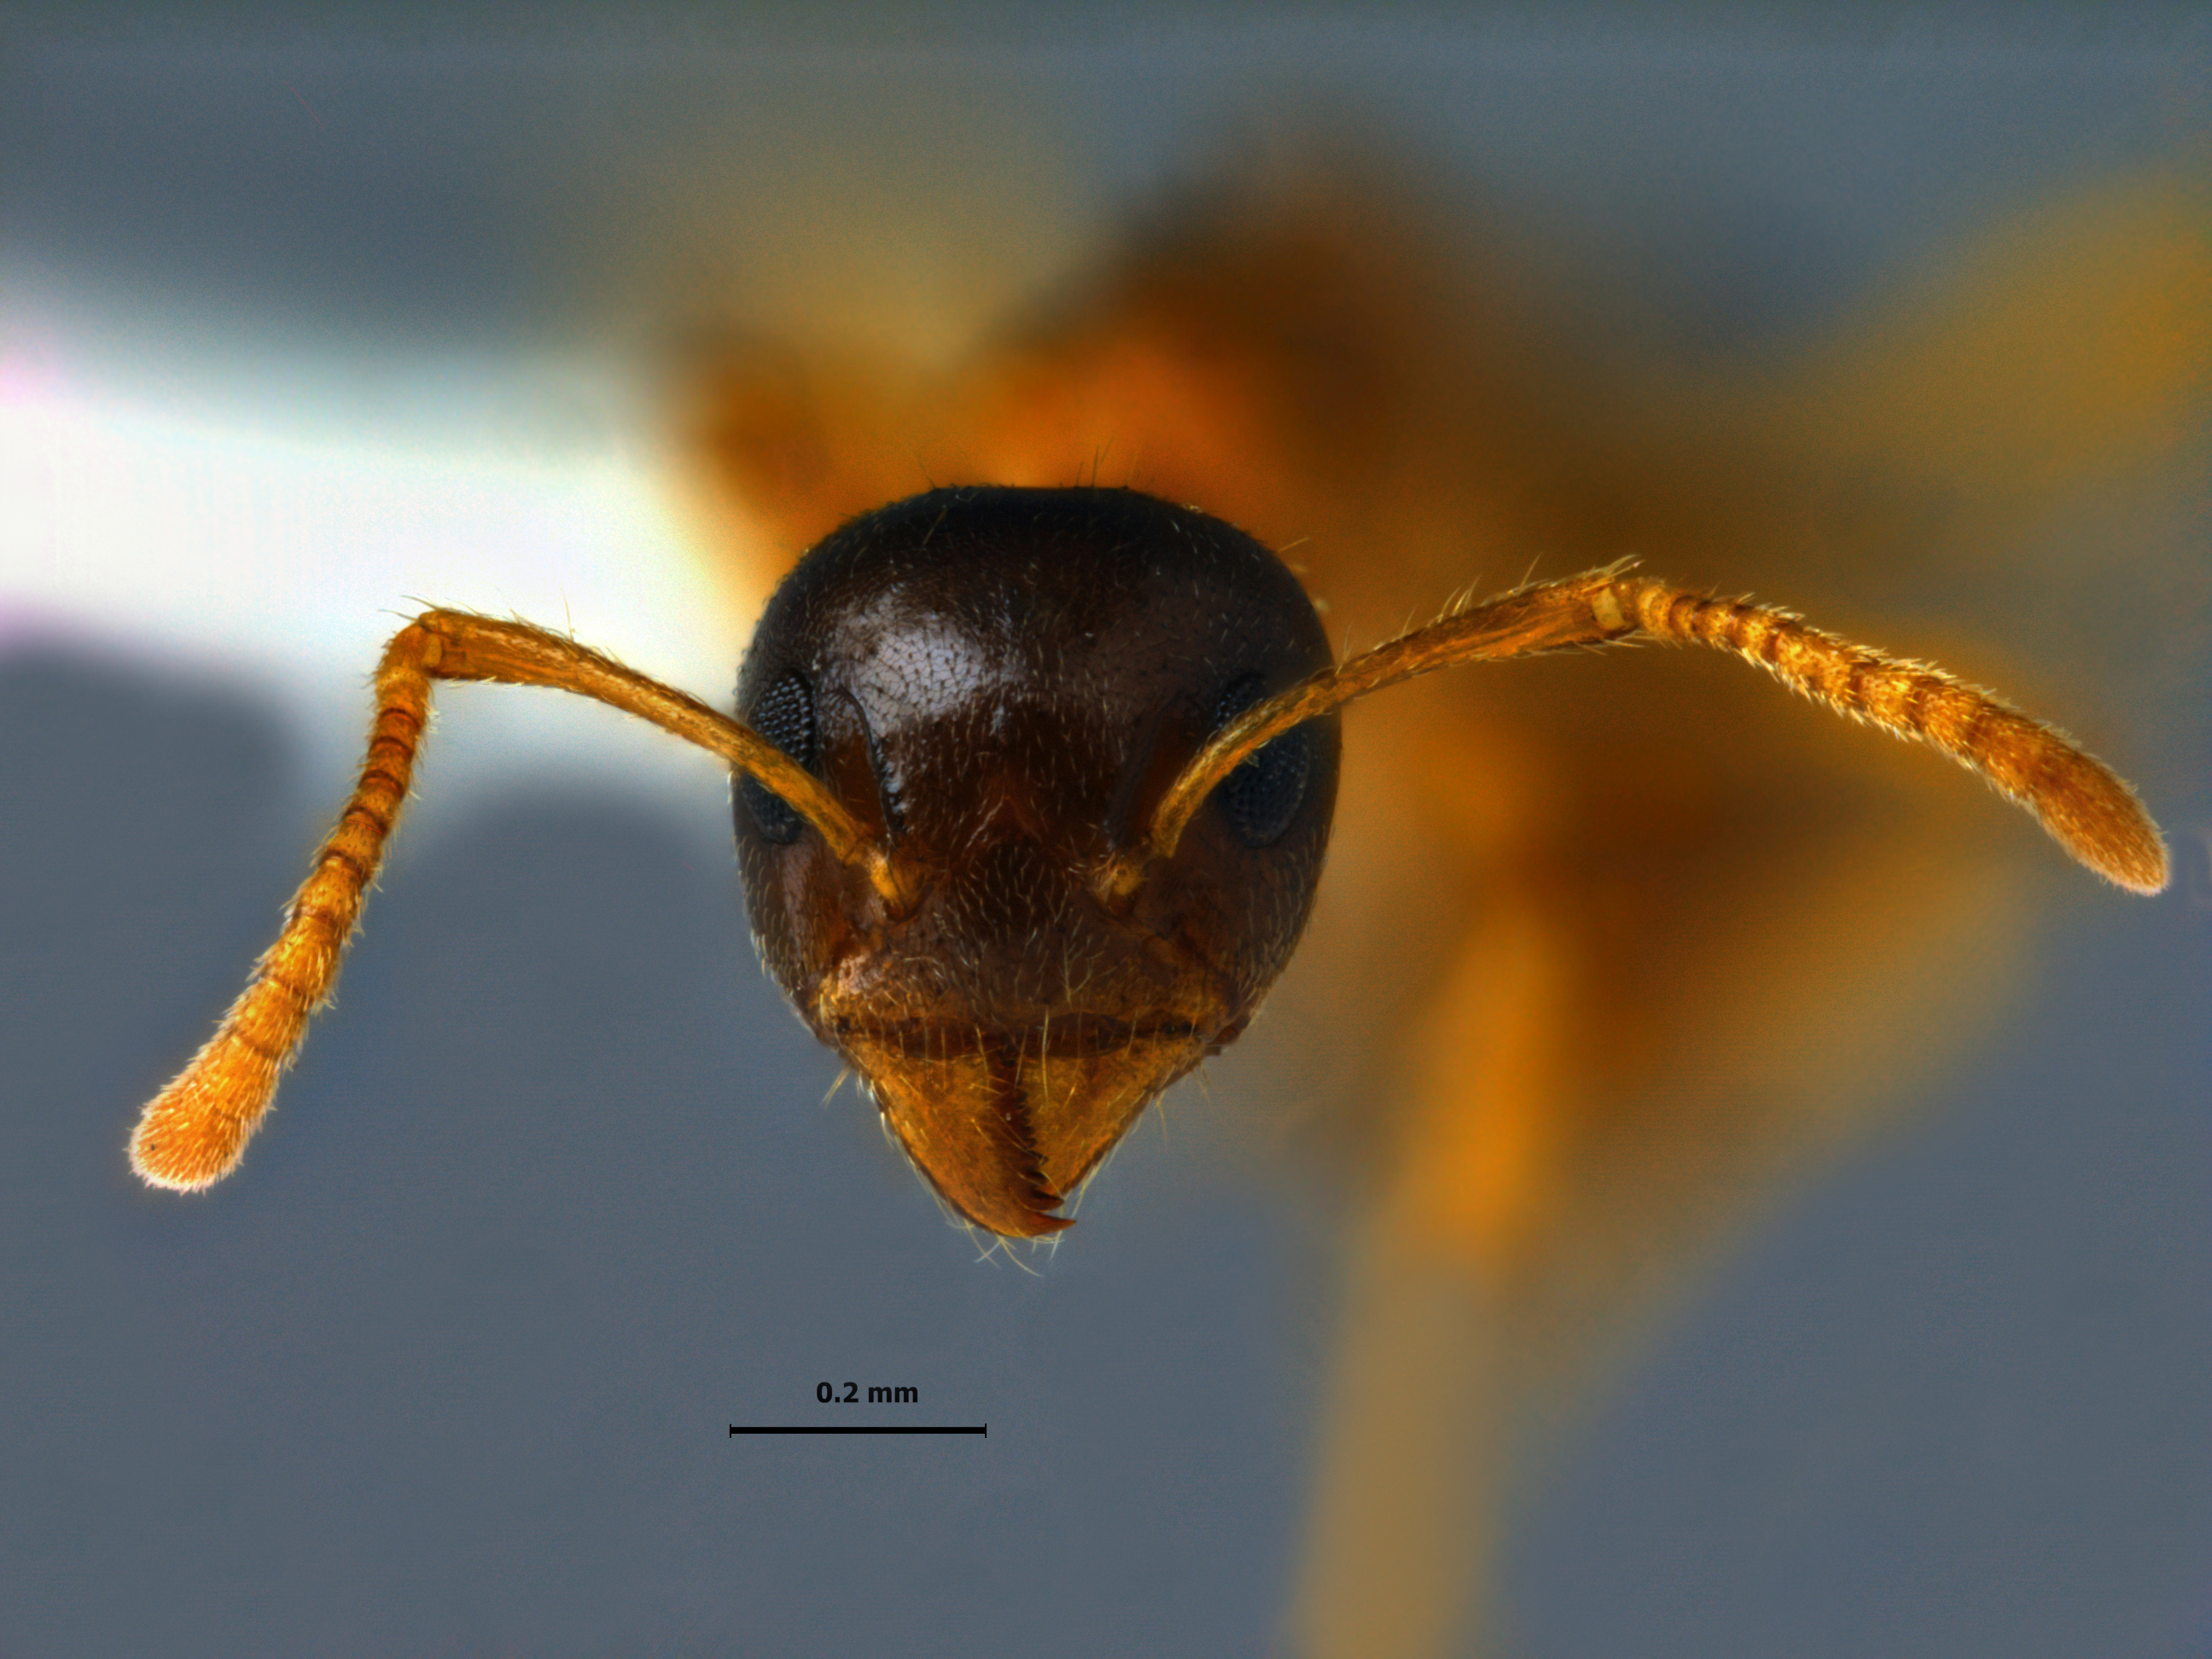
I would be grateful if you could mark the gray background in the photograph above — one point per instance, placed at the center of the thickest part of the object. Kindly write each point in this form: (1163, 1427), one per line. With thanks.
(550, 1201)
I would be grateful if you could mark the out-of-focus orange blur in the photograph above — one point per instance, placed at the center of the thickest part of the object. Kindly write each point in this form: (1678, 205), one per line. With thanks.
(1609, 947)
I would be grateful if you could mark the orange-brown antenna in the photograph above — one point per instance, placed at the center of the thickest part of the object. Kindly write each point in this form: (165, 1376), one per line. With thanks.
(193, 1132)
(2086, 808)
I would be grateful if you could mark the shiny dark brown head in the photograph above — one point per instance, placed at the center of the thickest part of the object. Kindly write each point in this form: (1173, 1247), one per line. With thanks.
(1001, 684)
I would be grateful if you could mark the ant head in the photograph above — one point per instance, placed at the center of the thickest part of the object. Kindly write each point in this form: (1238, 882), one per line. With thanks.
(999, 685)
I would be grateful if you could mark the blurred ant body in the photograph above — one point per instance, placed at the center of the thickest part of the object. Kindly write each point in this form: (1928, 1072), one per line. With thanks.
(1607, 947)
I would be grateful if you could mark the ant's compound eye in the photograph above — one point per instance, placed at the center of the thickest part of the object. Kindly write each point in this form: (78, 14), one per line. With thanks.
(1262, 796)
(785, 716)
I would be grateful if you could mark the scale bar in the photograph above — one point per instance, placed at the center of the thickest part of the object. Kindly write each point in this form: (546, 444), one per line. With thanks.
(983, 1429)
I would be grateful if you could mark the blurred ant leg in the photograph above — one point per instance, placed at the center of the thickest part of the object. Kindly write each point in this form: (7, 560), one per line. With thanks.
(2083, 805)
(193, 1132)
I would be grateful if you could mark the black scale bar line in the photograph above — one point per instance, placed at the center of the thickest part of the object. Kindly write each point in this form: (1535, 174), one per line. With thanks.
(983, 1429)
